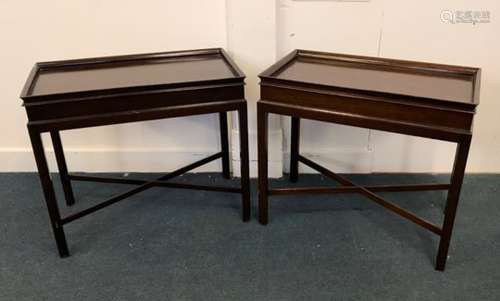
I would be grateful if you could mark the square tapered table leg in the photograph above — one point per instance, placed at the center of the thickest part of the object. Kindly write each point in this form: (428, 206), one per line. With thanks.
(48, 191)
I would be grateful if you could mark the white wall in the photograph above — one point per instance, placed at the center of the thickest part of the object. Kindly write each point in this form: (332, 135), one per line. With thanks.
(34, 31)
(255, 33)
(339, 27)
(406, 30)
(251, 34)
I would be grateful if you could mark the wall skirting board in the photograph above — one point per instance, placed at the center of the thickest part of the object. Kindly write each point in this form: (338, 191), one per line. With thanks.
(143, 159)
(110, 160)
(275, 153)
(165, 160)
(341, 160)
(337, 160)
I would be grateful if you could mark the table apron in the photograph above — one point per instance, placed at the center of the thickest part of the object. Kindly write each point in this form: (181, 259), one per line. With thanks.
(136, 115)
(368, 122)
(371, 107)
(65, 108)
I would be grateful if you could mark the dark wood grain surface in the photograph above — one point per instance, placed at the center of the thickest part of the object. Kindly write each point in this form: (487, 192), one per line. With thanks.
(138, 72)
(358, 77)
(128, 83)
(388, 79)
(134, 74)
(414, 93)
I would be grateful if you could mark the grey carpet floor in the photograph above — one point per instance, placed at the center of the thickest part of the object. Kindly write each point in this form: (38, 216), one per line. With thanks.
(171, 244)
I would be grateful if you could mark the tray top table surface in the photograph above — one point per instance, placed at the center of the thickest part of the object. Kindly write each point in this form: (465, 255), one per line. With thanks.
(443, 84)
(120, 73)
(135, 87)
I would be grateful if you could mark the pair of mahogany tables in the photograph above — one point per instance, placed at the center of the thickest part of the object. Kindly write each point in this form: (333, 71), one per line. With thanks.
(412, 98)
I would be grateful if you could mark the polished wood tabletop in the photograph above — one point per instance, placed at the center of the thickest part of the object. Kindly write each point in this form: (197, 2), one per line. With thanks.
(422, 94)
(409, 81)
(361, 77)
(92, 75)
(111, 76)
(105, 85)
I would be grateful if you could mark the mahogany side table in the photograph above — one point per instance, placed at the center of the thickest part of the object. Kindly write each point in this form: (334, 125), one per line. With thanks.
(420, 99)
(82, 93)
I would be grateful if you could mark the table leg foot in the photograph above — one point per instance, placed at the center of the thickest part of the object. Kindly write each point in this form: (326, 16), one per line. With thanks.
(457, 177)
(48, 191)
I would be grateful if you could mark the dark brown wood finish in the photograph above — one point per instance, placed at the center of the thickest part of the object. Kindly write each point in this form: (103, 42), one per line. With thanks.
(71, 94)
(63, 169)
(294, 149)
(224, 143)
(421, 99)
